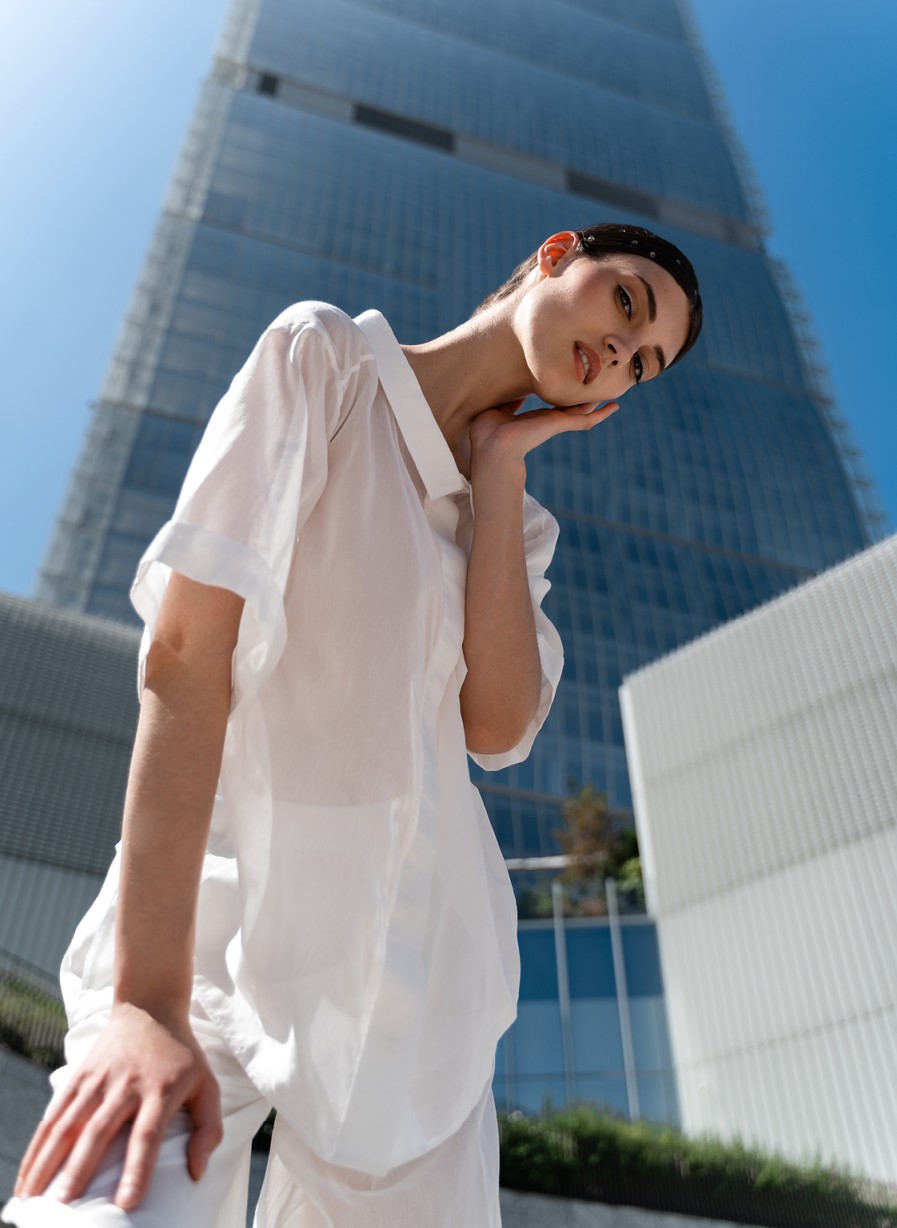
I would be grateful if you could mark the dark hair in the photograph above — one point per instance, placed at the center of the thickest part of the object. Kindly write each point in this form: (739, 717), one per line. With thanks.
(613, 238)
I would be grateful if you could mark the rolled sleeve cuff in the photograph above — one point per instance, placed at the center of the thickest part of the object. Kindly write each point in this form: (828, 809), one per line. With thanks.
(551, 655)
(210, 558)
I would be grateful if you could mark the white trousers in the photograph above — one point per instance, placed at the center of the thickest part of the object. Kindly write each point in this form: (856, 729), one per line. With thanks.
(453, 1186)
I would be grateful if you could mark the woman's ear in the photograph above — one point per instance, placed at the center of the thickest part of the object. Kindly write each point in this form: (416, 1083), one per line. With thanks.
(555, 249)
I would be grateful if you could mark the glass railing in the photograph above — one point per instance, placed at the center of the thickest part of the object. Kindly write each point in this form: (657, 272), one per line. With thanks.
(534, 880)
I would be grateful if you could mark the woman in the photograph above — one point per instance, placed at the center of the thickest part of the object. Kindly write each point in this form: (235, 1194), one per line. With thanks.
(308, 908)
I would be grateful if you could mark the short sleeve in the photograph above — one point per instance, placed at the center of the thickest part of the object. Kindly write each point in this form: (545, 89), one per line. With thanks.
(260, 467)
(540, 535)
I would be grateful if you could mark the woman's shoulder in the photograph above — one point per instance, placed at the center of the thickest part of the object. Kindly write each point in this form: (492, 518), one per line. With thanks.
(311, 314)
(314, 327)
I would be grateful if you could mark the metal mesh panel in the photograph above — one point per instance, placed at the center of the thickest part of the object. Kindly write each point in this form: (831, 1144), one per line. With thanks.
(68, 709)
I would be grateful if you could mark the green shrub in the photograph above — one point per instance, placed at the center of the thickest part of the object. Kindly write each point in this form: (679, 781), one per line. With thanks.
(579, 1153)
(31, 1023)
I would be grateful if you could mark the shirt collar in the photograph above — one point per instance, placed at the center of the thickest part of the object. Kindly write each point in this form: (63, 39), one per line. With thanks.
(420, 430)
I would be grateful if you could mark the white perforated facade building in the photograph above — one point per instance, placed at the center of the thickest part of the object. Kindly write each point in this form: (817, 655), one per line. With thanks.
(764, 767)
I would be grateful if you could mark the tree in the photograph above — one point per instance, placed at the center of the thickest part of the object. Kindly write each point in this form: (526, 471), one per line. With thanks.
(588, 835)
(601, 845)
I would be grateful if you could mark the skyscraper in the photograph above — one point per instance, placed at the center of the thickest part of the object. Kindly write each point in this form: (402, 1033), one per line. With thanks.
(405, 154)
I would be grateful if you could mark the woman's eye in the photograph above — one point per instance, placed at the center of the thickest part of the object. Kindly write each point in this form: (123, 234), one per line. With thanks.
(626, 302)
(638, 367)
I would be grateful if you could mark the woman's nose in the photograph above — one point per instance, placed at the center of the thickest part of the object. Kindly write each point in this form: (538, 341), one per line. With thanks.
(618, 350)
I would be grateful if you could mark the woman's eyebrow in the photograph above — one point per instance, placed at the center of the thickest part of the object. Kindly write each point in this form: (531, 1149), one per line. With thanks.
(652, 301)
(659, 355)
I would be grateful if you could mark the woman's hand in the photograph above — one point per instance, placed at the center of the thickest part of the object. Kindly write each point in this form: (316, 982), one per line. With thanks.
(506, 429)
(140, 1071)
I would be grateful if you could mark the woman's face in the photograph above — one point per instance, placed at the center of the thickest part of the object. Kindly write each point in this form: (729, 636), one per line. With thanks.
(592, 329)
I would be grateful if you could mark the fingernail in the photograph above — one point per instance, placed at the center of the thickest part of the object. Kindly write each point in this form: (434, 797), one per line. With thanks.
(62, 1193)
(127, 1197)
(201, 1167)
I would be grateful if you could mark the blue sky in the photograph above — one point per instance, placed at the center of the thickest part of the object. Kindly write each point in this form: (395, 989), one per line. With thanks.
(95, 98)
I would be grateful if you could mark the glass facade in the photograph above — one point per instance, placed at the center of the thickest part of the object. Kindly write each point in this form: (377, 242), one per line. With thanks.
(571, 1039)
(404, 155)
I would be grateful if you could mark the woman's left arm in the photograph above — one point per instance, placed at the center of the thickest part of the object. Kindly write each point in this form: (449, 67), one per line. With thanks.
(500, 694)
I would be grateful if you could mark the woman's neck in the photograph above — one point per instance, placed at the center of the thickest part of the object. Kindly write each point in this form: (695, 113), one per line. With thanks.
(476, 366)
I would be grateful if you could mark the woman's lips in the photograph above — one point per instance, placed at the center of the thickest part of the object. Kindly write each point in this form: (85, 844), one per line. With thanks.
(588, 364)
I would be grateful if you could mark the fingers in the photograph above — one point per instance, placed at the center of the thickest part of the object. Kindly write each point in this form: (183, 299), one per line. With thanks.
(93, 1140)
(208, 1129)
(581, 417)
(598, 413)
(605, 412)
(26, 1168)
(56, 1135)
(54, 1108)
(146, 1138)
(85, 1141)
(148, 1133)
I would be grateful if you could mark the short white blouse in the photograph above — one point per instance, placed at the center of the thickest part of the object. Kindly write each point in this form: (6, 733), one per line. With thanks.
(356, 931)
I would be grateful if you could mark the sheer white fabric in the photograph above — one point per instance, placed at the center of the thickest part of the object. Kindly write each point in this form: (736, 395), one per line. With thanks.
(356, 939)
(453, 1185)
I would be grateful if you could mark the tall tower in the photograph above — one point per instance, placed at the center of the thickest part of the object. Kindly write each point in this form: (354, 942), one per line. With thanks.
(405, 154)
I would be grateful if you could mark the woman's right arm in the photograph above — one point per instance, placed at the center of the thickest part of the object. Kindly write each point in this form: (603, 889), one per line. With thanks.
(147, 1064)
